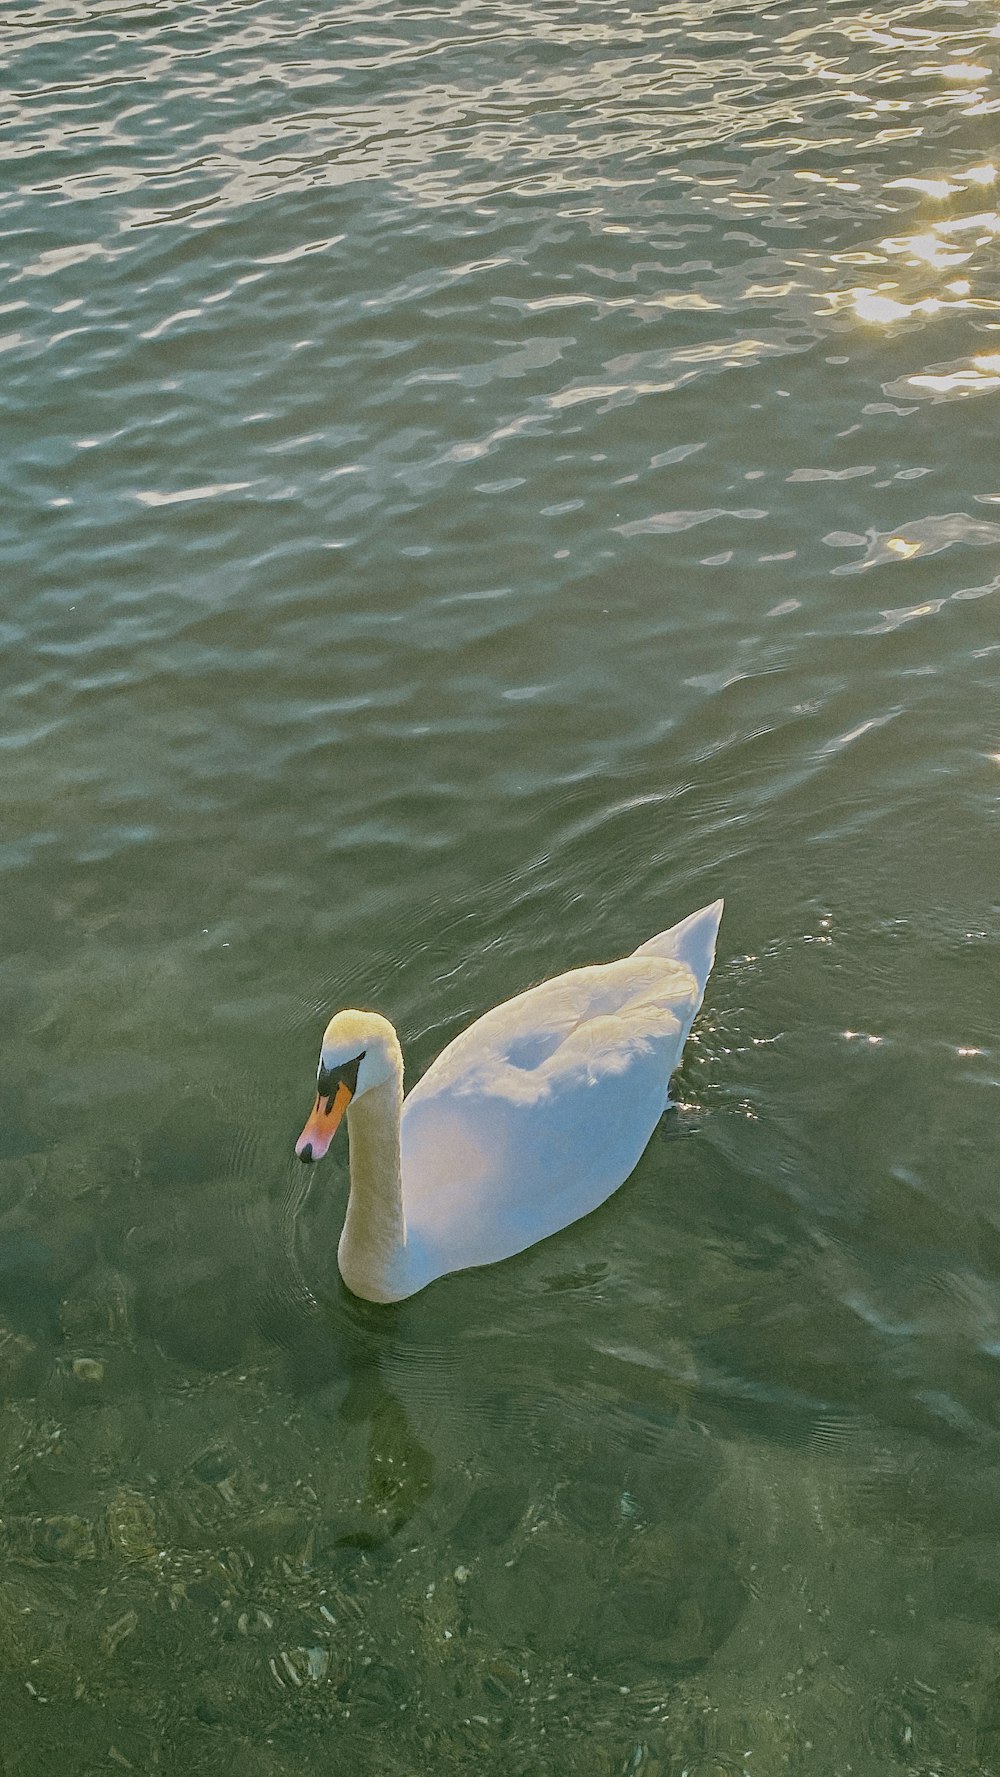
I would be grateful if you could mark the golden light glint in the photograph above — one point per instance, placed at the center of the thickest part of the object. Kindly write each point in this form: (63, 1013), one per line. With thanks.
(869, 306)
(984, 223)
(928, 249)
(939, 188)
(942, 244)
(982, 377)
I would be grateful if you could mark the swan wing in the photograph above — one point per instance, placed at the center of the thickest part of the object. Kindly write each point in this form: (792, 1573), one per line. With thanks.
(540, 1110)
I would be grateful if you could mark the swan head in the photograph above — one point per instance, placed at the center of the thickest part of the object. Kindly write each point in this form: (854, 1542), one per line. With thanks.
(360, 1050)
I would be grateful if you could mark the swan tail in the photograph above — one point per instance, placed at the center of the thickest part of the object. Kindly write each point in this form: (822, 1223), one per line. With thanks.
(690, 941)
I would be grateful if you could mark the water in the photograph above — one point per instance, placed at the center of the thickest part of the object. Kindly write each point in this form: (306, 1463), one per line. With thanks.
(480, 482)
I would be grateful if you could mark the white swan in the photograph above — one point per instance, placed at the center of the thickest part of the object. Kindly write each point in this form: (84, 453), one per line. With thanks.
(529, 1119)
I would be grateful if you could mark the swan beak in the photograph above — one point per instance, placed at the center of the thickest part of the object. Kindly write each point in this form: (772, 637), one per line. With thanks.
(322, 1125)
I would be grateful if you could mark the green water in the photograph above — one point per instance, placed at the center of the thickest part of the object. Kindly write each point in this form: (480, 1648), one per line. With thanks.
(480, 481)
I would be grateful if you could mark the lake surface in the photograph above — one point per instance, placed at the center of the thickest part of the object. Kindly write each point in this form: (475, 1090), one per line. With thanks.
(481, 481)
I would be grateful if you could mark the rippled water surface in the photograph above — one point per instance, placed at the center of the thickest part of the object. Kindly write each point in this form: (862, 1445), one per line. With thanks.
(481, 480)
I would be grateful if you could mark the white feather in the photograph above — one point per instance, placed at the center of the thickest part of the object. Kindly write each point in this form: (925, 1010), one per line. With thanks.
(525, 1122)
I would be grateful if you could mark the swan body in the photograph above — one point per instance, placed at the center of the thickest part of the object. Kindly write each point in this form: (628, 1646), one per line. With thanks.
(525, 1122)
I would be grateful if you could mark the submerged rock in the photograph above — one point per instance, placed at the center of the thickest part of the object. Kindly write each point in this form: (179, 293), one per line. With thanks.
(99, 1306)
(19, 1360)
(65, 1537)
(88, 1369)
(131, 1525)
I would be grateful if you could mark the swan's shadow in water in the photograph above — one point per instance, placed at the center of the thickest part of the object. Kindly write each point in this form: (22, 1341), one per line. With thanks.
(532, 1395)
(337, 1351)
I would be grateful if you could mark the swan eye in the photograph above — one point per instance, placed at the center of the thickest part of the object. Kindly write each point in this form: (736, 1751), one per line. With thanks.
(345, 1073)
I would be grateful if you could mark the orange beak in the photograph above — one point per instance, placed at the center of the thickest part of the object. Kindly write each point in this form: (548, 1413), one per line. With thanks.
(323, 1123)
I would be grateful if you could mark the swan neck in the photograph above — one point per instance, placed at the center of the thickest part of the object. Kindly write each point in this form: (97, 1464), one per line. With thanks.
(372, 1250)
